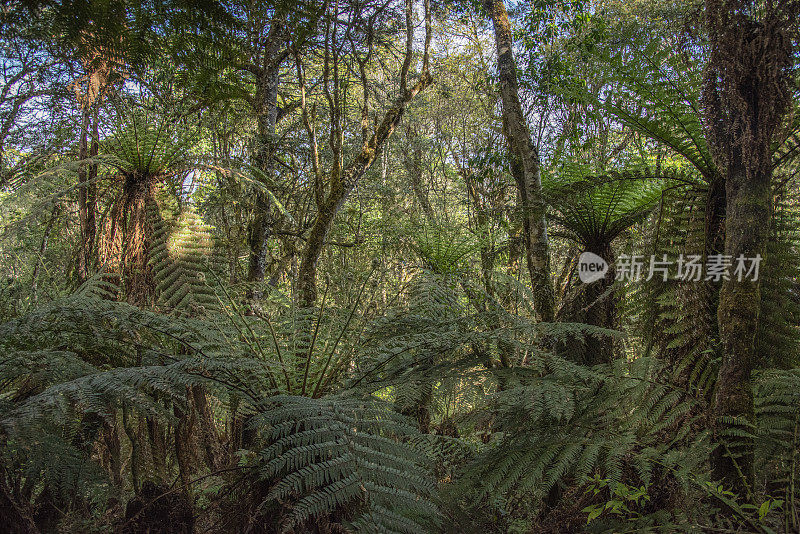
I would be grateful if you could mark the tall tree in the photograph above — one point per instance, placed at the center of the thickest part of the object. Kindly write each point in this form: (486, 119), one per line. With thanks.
(746, 96)
(332, 190)
(264, 103)
(89, 90)
(98, 44)
(524, 165)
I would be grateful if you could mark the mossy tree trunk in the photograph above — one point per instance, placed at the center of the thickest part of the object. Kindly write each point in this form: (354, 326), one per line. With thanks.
(746, 96)
(524, 166)
(412, 160)
(749, 200)
(264, 105)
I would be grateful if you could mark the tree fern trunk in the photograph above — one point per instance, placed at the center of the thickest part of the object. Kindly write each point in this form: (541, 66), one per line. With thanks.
(141, 214)
(113, 459)
(158, 449)
(184, 441)
(135, 459)
(14, 517)
(749, 206)
(746, 96)
(593, 304)
(600, 305)
(208, 430)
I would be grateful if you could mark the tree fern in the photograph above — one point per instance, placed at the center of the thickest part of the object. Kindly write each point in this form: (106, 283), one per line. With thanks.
(342, 456)
(559, 428)
(182, 260)
(593, 212)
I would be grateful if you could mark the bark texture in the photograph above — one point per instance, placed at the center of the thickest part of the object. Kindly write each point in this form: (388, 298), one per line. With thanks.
(265, 107)
(524, 166)
(128, 237)
(746, 96)
(412, 160)
(90, 89)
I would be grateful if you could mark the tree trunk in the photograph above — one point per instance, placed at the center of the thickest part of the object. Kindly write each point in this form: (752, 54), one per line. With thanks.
(87, 190)
(112, 458)
(83, 206)
(158, 449)
(209, 438)
(746, 96)
(266, 109)
(593, 304)
(413, 164)
(748, 212)
(184, 440)
(140, 213)
(482, 229)
(133, 437)
(524, 166)
(307, 277)
(600, 306)
(43, 248)
(91, 192)
(14, 517)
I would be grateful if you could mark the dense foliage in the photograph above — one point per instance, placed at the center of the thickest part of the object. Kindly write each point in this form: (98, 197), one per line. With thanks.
(321, 266)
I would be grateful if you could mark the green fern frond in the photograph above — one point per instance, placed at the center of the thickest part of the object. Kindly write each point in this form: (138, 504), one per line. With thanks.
(343, 456)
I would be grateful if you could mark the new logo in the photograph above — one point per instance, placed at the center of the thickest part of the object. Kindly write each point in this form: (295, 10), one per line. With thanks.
(591, 267)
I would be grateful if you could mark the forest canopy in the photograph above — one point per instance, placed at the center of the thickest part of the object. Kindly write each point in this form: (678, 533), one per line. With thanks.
(399, 266)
